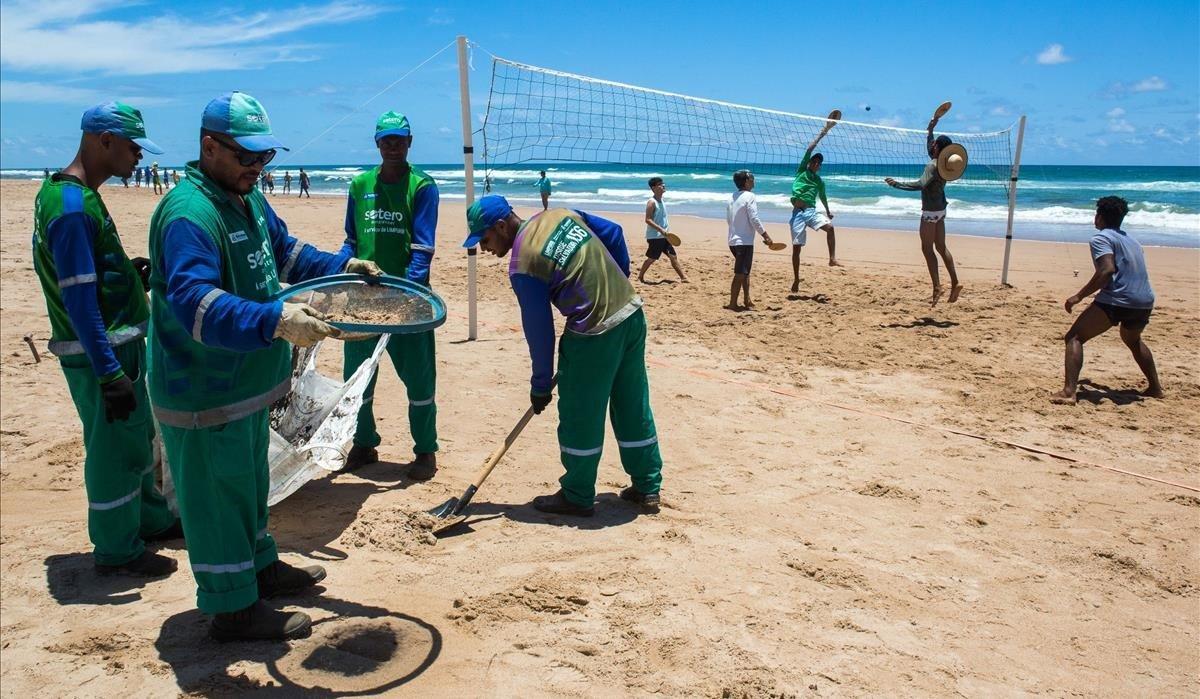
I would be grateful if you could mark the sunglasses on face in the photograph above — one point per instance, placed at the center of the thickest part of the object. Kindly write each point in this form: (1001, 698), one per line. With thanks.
(248, 158)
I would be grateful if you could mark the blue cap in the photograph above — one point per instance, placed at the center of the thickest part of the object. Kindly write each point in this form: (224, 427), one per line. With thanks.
(484, 214)
(240, 116)
(121, 119)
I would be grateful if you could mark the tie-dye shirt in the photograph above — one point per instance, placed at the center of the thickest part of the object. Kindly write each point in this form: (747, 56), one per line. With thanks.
(579, 264)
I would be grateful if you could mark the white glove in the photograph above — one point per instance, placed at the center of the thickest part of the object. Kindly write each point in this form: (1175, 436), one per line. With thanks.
(368, 267)
(303, 325)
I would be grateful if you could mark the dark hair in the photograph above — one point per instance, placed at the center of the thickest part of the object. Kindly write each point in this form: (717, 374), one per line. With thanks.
(817, 157)
(1112, 210)
(941, 142)
(543, 172)
(741, 177)
(655, 181)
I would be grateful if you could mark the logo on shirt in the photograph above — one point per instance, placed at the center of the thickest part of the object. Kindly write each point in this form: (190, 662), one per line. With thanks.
(564, 242)
(372, 195)
(384, 215)
(238, 236)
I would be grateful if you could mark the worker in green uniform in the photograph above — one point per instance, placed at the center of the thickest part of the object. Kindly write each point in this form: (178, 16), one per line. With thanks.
(579, 264)
(219, 253)
(96, 300)
(391, 217)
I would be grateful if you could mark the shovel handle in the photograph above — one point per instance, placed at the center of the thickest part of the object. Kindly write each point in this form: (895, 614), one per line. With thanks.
(501, 450)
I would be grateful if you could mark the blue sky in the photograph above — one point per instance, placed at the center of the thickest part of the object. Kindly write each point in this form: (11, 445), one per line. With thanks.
(1102, 82)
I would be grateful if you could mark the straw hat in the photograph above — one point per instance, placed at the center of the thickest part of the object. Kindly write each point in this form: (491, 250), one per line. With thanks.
(952, 162)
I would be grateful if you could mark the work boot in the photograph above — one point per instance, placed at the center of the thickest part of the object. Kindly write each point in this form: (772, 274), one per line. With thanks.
(175, 531)
(360, 456)
(648, 501)
(423, 467)
(281, 578)
(147, 565)
(558, 504)
(258, 622)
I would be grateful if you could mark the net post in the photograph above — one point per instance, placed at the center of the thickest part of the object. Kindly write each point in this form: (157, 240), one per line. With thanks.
(1012, 199)
(464, 94)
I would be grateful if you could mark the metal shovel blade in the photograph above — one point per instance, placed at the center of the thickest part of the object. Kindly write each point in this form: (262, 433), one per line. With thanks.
(446, 509)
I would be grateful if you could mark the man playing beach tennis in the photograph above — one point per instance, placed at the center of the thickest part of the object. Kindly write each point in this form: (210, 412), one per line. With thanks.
(220, 356)
(578, 263)
(657, 224)
(806, 189)
(1125, 299)
(932, 186)
(742, 216)
(391, 218)
(96, 300)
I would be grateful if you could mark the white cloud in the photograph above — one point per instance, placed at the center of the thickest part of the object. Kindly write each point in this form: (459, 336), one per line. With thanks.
(1115, 113)
(1150, 84)
(445, 129)
(1053, 55)
(889, 121)
(1000, 110)
(49, 36)
(1120, 126)
(439, 18)
(45, 93)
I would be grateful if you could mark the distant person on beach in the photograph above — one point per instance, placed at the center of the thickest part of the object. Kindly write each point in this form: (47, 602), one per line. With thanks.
(391, 218)
(96, 302)
(166, 178)
(1125, 299)
(158, 189)
(303, 185)
(45, 173)
(742, 216)
(270, 183)
(175, 177)
(137, 176)
(579, 264)
(933, 215)
(287, 181)
(807, 188)
(262, 182)
(125, 181)
(543, 185)
(657, 224)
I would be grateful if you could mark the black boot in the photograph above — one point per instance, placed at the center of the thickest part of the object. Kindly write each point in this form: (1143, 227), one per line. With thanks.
(258, 622)
(175, 531)
(648, 501)
(558, 504)
(280, 578)
(147, 565)
(423, 467)
(360, 456)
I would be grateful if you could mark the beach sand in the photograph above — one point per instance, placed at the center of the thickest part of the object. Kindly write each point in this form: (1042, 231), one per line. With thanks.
(831, 525)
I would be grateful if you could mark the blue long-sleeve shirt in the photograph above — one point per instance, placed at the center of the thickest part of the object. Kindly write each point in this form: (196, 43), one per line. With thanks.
(193, 269)
(424, 233)
(533, 295)
(72, 238)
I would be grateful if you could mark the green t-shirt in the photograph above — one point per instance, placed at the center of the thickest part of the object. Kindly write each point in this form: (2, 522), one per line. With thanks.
(379, 218)
(808, 185)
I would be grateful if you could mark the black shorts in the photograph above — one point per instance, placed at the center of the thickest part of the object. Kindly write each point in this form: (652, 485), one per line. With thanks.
(655, 247)
(1132, 318)
(743, 257)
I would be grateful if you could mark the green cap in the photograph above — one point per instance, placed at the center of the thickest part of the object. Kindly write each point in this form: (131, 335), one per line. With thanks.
(241, 116)
(392, 124)
(121, 119)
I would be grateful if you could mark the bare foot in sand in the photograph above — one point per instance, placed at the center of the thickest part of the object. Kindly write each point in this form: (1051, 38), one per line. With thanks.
(1154, 393)
(685, 280)
(732, 307)
(749, 306)
(937, 296)
(835, 263)
(1063, 397)
(954, 292)
(795, 286)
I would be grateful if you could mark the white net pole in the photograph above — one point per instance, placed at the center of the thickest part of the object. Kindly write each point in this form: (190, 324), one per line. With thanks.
(464, 94)
(1012, 200)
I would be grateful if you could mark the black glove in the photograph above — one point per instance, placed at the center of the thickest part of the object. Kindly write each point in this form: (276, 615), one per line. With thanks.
(119, 400)
(142, 265)
(539, 402)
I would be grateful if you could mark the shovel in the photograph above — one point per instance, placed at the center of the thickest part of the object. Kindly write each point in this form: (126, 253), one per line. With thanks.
(454, 510)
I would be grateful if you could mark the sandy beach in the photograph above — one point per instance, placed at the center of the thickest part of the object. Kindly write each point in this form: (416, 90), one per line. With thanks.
(864, 497)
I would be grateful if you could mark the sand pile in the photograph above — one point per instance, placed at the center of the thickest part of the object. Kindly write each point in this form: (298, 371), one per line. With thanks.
(392, 529)
(540, 595)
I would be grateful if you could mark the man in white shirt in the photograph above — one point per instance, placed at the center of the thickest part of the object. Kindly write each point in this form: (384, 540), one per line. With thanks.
(742, 216)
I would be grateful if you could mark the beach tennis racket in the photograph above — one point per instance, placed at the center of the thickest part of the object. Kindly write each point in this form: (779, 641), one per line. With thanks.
(833, 119)
(673, 239)
(777, 246)
(941, 110)
(362, 306)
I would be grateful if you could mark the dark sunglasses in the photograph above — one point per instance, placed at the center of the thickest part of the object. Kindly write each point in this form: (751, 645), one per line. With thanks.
(248, 158)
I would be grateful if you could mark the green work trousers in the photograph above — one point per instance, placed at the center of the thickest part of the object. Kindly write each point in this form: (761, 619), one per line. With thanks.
(221, 483)
(413, 358)
(606, 371)
(124, 503)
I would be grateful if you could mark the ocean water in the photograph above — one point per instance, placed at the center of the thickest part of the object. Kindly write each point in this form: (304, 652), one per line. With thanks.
(1054, 202)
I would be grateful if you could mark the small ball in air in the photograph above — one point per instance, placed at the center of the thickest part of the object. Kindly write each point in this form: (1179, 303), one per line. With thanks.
(868, 107)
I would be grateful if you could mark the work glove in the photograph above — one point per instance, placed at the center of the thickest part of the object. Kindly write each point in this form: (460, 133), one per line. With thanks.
(367, 267)
(303, 325)
(119, 399)
(539, 401)
(142, 265)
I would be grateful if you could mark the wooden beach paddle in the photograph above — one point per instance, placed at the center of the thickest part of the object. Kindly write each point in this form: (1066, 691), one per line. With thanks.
(673, 239)
(833, 118)
(941, 110)
(777, 246)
